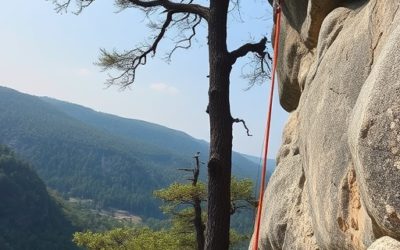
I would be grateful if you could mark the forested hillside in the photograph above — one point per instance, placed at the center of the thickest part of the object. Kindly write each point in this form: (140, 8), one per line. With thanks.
(177, 142)
(114, 161)
(29, 217)
(79, 161)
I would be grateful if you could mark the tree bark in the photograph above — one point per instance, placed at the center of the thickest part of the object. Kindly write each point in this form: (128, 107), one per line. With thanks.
(219, 165)
(198, 224)
(198, 220)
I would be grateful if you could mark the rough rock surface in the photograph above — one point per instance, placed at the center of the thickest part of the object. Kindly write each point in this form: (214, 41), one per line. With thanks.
(385, 243)
(337, 183)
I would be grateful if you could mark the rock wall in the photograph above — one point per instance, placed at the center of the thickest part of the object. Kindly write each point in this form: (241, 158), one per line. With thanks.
(337, 183)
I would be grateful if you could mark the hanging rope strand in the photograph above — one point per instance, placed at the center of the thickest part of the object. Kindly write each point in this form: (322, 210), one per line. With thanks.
(268, 126)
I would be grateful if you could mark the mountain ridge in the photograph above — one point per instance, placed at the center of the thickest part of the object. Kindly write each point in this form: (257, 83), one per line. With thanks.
(81, 157)
(123, 127)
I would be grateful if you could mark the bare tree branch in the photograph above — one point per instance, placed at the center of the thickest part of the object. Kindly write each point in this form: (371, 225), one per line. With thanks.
(185, 16)
(186, 42)
(258, 48)
(186, 169)
(63, 5)
(168, 6)
(236, 5)
(189, 17)
(237, 120)
(257, 73)
(181, 7)
(129, 61)
(257, 70)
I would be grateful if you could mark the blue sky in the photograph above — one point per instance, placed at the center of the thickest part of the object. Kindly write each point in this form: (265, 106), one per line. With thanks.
(48, 54)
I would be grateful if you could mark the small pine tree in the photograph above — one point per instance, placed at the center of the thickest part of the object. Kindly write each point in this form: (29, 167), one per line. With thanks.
(183, 202)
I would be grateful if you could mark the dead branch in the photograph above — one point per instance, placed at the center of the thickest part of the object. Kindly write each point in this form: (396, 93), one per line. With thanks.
(186, 169)
(258, 48)
(186, 42)
(236, 6)
(63, 5)
(237, 120)
(257, 70)
(168, 6)
(129, 61)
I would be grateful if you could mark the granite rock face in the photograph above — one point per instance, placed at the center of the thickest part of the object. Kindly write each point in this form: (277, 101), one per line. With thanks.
(337, 183)
(385, 243)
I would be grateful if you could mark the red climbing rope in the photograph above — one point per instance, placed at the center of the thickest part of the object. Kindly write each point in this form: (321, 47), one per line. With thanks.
(268, 125)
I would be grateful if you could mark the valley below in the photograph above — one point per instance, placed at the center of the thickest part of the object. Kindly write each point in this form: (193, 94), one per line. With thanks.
(101, 170)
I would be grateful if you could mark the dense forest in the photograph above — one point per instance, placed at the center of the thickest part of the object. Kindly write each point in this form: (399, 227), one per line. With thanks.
(80, 161)
(32, 217)
(29, 217)
(115, 162)
(28, 209)
(176, 142)
(100, 161)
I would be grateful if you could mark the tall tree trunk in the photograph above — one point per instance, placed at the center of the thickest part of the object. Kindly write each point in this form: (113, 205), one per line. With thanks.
(219, 165)
(198, 224)
(198, 220)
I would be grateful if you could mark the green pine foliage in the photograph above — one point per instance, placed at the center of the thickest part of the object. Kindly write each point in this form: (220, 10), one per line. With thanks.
(130, 238)
(141, 238)
(182, 194)
(177, 200)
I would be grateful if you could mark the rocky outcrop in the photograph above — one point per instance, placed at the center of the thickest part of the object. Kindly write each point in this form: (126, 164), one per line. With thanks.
(337, 183)
(385, 243)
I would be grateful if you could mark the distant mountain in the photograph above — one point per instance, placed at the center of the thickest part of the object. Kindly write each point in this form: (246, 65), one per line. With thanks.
(81, 161)
(29, 217)
(177, 142)
(115, 161)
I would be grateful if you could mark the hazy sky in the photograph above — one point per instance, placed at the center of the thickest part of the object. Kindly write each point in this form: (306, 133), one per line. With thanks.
(47, 54)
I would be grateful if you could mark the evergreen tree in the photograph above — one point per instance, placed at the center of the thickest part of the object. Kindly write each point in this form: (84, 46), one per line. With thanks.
(187, 16)
(183, 203)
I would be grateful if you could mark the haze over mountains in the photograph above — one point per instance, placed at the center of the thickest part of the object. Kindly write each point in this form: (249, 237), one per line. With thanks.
(116, 162)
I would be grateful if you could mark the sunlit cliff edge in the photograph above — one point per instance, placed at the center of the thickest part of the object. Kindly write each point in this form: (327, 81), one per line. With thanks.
(337, 182)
